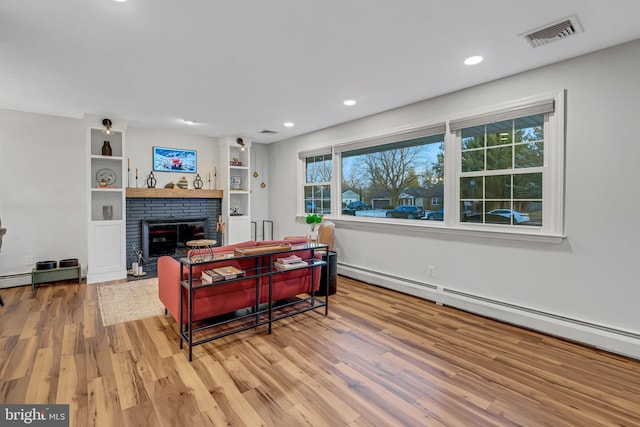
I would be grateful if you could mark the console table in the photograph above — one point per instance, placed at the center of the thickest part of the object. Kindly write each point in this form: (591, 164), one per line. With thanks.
(260, 315)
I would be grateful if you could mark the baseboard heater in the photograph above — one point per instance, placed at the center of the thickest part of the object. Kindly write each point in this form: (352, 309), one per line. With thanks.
(604, 337)
(13, 280)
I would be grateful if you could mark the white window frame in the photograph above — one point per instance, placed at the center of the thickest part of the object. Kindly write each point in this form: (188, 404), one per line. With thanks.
(552, 172)
(303, 156)
(551, 231)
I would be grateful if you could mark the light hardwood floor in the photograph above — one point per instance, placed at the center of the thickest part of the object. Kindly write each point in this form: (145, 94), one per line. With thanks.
(379, 358)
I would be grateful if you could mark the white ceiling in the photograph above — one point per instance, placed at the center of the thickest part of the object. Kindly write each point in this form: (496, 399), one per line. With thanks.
(239, 67)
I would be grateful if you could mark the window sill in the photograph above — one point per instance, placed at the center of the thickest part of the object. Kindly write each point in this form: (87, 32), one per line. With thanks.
(437, 227)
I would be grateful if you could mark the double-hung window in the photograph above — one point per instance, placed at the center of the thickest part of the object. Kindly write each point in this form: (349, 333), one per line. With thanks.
(317, 181)
(507, 169)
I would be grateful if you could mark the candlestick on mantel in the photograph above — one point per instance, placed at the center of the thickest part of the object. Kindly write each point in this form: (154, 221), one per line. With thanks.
(128, 172)
(136, 177)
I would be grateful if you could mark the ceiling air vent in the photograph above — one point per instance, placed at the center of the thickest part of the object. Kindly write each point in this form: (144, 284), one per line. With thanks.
(268, 132)
(558, 31)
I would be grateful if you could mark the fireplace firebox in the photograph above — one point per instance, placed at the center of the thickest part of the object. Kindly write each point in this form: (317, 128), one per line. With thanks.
(169, 236)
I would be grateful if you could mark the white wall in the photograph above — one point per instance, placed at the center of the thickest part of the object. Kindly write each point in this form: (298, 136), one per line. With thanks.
(42, 184)
(260, 196)
(140, 143)
(590, 278)
(42, 190)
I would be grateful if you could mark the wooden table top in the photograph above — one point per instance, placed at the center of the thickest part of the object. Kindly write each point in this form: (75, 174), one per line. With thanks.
(201, 243)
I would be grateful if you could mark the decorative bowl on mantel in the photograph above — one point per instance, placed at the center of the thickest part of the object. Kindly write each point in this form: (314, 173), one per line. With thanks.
(183, 183)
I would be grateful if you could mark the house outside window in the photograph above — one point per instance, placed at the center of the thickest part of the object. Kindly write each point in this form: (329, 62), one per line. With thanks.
(436, 201)
(394, 173)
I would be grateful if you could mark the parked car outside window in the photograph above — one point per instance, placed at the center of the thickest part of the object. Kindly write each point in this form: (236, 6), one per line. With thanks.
(406, 211)
(435, 215)
(487, 218)
(518, 217)
(358, 206)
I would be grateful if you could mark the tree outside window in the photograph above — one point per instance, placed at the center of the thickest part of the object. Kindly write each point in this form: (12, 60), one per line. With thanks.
(388, 176)
(501, 172)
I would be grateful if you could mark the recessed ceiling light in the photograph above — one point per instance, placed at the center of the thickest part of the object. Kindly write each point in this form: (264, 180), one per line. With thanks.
(288, 124)
(473, 60)
(189, 122)
(120, 1)
(350, 102)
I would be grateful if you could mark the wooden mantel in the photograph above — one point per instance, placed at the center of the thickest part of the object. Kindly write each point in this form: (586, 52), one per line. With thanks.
(172, 193)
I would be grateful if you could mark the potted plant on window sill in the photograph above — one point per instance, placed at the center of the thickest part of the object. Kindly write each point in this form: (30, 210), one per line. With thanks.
(312, 234)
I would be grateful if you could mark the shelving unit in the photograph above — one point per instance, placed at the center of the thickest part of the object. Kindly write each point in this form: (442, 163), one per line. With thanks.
(237, 189)
(106, 235)
(260, 315)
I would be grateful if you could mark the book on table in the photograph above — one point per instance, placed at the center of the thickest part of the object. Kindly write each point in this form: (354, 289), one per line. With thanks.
(221, 273)
(289, 266)
(210, 276)
(289, 260)
(229, 272)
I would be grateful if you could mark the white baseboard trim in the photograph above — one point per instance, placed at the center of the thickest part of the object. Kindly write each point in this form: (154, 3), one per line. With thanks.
(14, 280)
(613, 340)
(106, 276)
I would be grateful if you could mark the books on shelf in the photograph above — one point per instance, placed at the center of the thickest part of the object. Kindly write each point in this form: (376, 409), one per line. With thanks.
(289, 260)
(289, 266)
(229, 272)
(210, 276)
(221, 273)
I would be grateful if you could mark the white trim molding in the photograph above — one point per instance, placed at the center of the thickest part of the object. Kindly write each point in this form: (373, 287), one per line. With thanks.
(610, 339)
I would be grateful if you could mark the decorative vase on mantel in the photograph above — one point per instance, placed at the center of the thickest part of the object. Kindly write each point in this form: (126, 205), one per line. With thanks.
(106, 149)
(151, 181)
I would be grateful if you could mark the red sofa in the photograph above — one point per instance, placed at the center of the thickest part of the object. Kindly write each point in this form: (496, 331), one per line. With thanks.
(228, 297)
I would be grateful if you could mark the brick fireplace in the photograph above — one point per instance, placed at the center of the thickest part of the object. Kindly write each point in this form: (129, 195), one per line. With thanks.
(167, 210)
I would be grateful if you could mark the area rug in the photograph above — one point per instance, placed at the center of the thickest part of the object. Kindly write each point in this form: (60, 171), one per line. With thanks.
(129, 301)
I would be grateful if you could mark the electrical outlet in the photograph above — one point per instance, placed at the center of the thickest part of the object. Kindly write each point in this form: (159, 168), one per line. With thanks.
(431, 270)
(28, 260)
